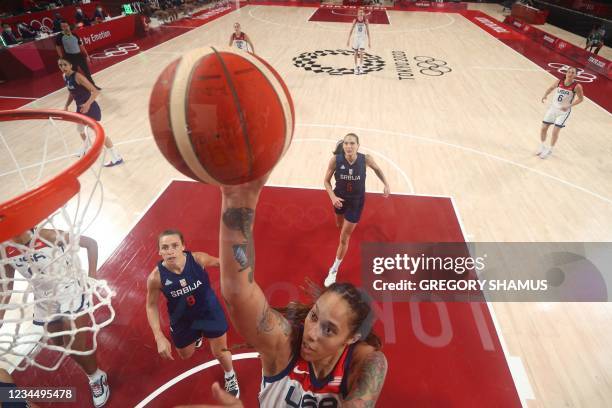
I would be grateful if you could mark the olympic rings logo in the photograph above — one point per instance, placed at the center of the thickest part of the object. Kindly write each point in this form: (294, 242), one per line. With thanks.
(118, 51)
(581, 76)
(431, 66)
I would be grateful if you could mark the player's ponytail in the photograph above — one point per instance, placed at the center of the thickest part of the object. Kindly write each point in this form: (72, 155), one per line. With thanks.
(338, 148)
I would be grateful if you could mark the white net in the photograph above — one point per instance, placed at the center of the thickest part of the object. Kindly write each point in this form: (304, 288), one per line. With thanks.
(51, 304)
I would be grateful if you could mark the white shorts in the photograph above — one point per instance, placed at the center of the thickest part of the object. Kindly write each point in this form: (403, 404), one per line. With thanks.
(359, 43)
(557, 117)
(68, 300)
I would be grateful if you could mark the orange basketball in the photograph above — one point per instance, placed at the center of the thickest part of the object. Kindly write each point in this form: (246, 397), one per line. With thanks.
(221, 116)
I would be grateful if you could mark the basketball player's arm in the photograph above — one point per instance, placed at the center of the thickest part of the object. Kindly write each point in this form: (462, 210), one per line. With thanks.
(205, 260)
(331, 168)
(369, 379)
(6, 273)
(60, 51)
(580, 94)
(549, 90)
(231, 42)
(372, 164)
(93, 91)
(248, 40)
(261, 326)
(351, 32)
(153, 289)
(90, 245)
(367, 26)
(68, 101)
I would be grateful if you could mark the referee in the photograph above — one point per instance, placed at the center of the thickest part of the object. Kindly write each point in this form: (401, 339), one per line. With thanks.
(70, 46)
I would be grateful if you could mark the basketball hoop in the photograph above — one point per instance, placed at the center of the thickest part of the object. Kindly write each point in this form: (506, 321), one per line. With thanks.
(42, 281)
(28, 209)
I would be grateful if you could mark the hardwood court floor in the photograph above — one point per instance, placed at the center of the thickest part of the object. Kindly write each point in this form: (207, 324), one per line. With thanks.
(470, 134)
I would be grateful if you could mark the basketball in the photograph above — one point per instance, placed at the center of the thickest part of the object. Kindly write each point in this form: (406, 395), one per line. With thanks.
(221, 116)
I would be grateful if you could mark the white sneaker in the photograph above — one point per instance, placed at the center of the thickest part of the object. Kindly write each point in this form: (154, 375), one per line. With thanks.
(231, 386)
(331, 278)
(100, 391)
(546, 153)
(356, 71)
(541, 150)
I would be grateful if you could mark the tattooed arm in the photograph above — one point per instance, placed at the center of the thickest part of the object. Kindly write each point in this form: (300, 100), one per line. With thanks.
(261, 326)
(368, 377)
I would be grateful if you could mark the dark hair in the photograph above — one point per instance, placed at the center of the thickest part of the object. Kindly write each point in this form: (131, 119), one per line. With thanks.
(167, 232)
(358, 301)
(340, 142)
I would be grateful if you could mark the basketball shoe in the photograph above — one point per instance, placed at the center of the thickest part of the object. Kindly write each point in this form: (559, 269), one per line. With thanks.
(331, 278)
(99, 390)
(231, 386)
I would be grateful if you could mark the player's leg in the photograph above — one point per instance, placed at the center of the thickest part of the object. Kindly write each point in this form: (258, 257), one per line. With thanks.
(361, 51)
(339, 221)
(549, 119)
(559, 124)
(185, 339)
(598, 47)
(98, 381)
(356, 57)
(186, 352)
(84, 133)
(218, 347)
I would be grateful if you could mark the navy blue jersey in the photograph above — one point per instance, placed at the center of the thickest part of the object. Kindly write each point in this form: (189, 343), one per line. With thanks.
(350, 178)
(79, 92)
(189, 294)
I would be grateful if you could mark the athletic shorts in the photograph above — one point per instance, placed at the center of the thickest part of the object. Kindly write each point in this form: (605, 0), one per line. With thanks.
(69, 299)
(359, 43)
(351, 208)
(210, 326)
(557, 117)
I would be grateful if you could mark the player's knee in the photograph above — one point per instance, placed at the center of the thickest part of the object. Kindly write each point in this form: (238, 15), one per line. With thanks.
(185, 353)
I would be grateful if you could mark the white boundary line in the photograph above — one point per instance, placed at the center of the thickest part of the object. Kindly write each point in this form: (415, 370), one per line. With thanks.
(323, 27)
(511, 361)
(188, 373)
(16, 97)
(467, 149)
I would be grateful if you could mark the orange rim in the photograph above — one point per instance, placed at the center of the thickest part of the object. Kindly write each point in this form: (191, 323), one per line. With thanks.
(30, 208)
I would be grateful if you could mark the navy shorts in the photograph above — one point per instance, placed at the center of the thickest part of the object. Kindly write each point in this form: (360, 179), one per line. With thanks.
(187, 331)
(94, 111)
(351, 208)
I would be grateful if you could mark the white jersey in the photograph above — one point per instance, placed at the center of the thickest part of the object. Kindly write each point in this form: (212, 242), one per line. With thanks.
(360, 29)
(240, 42)
(564, 95)
(41, 268)
(297, 386)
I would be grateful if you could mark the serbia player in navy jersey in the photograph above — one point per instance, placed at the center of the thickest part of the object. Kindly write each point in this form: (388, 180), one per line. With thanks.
(319, 355)
(84, 93)
(348, 197)
(193, 307)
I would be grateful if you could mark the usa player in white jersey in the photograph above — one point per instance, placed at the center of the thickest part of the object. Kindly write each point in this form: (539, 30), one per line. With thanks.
(241, 40)
(320, 355)
(362, 31)
(568, 93)
(67, 298)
